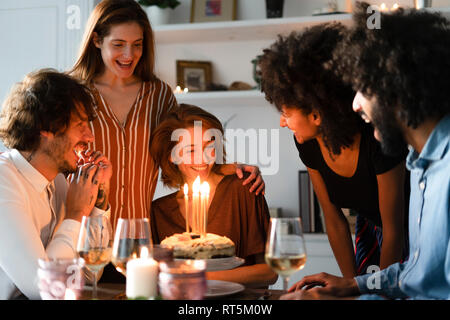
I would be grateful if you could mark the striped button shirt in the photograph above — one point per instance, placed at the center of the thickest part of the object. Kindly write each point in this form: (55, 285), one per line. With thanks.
(127, 147)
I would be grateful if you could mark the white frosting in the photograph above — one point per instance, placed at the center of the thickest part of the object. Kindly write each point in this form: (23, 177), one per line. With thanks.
(199, 248)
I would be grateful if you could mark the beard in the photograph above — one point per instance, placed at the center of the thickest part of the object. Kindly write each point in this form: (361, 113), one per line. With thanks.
(391, 136)
(58, 150)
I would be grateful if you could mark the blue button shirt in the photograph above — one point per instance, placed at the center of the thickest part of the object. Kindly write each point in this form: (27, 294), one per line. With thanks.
(426, 274)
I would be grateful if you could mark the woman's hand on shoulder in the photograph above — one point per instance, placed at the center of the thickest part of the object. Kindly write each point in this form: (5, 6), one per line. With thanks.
(259, 186)
(255, 176)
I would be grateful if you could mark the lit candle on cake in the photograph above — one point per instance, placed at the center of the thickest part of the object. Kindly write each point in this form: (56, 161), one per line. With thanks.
(196, 204)
(142, 277)
(205, 200)
(186, 205)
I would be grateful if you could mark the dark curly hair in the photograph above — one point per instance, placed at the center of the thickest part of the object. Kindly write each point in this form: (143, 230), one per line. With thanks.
(293, 75)
(404, 64)
(44, 101)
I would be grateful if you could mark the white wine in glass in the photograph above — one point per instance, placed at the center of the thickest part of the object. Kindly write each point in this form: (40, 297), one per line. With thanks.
(131, 235)
(95, 245)
(285, 247)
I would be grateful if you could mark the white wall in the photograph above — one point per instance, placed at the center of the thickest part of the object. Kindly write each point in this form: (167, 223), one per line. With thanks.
(38, 34)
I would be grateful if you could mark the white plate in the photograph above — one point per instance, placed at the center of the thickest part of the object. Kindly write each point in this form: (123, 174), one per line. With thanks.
(217, 288)
(222, 263)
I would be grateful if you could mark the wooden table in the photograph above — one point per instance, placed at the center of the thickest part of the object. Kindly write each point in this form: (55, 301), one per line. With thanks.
(115, 291)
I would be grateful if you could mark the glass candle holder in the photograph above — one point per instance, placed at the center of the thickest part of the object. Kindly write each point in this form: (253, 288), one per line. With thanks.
(182, 280)
(60, 279)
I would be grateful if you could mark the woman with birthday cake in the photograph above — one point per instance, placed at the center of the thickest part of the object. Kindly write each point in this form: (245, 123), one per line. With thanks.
(223, 221)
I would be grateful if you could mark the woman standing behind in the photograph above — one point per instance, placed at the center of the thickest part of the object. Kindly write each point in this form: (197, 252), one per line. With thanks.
(116, 61)
(344, 161)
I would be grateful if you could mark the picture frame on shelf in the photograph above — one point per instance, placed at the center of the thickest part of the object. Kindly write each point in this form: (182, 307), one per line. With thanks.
(213, 10)
(194, 75)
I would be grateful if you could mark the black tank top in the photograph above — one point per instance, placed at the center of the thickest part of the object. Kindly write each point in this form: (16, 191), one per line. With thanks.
(359, 192)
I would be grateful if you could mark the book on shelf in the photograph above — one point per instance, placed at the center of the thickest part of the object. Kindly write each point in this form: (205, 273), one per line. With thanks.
(310, 210)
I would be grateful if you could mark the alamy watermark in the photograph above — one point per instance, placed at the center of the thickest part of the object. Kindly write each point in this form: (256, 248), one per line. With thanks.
(374, 20)
(374, 281)
(73, 21)
(252, 146)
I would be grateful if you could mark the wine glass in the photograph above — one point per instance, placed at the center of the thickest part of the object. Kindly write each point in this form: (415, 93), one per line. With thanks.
(285, 247)
(131, 235)
(95, 245)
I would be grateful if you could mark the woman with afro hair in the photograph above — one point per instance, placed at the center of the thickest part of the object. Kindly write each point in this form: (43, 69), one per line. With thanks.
(345, 163)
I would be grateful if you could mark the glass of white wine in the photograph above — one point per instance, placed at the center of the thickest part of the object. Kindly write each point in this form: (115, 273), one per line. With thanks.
(131, 235)
(95, 245)
(285, 247)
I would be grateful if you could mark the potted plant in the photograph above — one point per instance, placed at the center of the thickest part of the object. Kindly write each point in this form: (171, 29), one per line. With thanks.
(157, 10)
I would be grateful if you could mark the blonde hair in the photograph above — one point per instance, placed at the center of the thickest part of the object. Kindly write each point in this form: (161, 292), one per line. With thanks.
(105, 15)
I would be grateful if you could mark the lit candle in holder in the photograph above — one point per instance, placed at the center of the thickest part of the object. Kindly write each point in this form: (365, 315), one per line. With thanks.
(142, 277)
(185, 90)
(70, 295)
(394, 7)
(186, 205)
(196, 205)
(177, 90)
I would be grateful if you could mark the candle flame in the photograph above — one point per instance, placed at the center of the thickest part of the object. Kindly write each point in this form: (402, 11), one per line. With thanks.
(185, 90)
(395, 6)
(383, 7)
(186, 189)
(70, 295)
(204, 189)
(144, 253)
(196, 186)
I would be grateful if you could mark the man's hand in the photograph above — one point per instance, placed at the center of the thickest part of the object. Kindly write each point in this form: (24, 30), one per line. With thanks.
(89, 186)
(327, 285)
(82, 192)
(97, 158)
(102, 178)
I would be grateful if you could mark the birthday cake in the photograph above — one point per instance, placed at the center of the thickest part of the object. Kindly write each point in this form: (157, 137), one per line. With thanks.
(191, 246)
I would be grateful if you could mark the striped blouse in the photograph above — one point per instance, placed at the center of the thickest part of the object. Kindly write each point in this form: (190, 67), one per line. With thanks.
(127, 147)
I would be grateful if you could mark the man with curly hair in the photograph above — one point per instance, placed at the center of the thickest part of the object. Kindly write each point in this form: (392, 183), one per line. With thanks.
(401, 73)
(344, 160)
(45, 124)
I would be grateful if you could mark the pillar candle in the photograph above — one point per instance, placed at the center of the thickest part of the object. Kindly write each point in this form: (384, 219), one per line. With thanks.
(142, 277)
(196, 204)
(186, 205)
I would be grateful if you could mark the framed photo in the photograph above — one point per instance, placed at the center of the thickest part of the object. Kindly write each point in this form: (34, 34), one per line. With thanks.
(213, 10)
(194, 75)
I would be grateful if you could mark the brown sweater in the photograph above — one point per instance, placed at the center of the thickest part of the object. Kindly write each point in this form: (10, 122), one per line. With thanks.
(234, 212)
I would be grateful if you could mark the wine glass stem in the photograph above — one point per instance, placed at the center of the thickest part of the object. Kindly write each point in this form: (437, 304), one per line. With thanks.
(285, 283)
(94, 285)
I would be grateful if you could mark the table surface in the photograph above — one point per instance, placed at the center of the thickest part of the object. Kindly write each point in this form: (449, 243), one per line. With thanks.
(116, 291)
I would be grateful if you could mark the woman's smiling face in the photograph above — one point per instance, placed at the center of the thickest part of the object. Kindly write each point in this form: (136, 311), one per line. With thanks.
(122, 49)
(304, 127)
(198, 156)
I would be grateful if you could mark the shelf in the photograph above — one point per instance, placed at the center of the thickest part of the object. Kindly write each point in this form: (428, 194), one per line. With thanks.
(245, 30)
(223, 98)
(242, 30)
